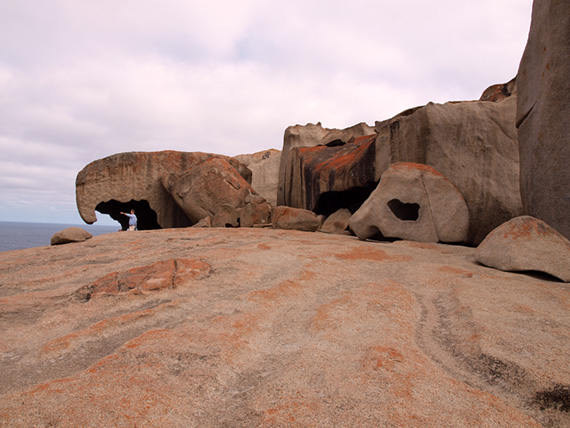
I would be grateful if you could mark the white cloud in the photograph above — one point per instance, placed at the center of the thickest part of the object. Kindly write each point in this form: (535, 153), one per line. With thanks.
(83, 80)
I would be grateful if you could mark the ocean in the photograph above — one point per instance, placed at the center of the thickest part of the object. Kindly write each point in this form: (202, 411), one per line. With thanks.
(19, 235)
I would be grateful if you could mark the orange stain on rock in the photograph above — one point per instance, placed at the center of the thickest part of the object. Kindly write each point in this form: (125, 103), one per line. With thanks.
(372, 254)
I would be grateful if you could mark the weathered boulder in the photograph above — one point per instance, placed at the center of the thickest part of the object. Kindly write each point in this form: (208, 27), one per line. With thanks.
(255, 211)
(473, 144)
(71, 234)
(207, 187)
(337, 222)
(413, 202)
(315, 172)
(542, 116)
(526, 243)
(294, 219)
(133, 180)
(226, 216)
(310, 136)
(264, 168)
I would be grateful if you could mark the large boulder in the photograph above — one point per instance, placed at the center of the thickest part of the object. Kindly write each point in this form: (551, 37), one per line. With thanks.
(413, 202)
(473, 144)
(264, 167)
(526, 243)
(70, 234)
(542, 116)
(133, 180)
(310, 136)
(207, 187)
(315, 172)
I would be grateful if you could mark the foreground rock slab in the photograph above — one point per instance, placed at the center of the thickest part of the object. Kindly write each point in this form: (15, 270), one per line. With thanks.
(275, 328)
(526, 243)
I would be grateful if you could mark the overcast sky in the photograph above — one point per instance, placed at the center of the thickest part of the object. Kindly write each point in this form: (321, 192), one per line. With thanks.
(83, 79)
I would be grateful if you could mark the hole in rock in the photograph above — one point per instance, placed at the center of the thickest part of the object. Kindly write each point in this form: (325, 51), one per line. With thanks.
(146, 216)
(406, 212)
(330, 202)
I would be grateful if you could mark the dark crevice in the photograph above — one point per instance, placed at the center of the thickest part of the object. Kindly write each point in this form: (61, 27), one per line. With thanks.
(406, 212)
(146, 216)
(352, 199)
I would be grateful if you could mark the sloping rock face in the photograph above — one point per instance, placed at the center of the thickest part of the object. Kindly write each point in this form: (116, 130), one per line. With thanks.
(414, 202)
(473, 144)
(542, 116)
(207, 187)
(264, 167)
(526, 243)
(133, 180)
(316, 171)
(70, 234)
(310, 136)
(274, 328)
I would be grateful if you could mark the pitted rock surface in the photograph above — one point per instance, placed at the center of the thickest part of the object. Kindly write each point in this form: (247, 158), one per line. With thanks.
(286, 329)
(414, 202)
(524, 244)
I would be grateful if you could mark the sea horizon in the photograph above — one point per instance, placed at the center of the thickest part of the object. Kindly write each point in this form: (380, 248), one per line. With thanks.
(20, 235)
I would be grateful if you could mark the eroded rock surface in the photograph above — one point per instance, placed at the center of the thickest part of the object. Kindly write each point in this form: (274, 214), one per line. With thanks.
(317, 171)
(473, 144)
(207, 187)
(133, 180)
(415, 202)
(526, 243)
(542, 116)
(287, 329)
(264, 167)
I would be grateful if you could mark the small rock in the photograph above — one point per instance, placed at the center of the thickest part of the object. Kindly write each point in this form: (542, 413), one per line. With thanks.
(337, 222)
(205, 222)
(255, 211)
(526, 243)
(71, 234)
(295, 219)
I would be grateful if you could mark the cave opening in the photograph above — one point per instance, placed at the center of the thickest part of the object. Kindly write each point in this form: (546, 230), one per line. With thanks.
(352, 199)
(404, 211)
(146, 216)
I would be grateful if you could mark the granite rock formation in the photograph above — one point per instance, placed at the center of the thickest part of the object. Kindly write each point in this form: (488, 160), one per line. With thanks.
(526, 243)
(414, 202)
(69, 235)
(473, 144)
(133, 180)
(542, 116)
(272, 328)
(325, 179)
(206, 187)
(310, 135)
(264, 167)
